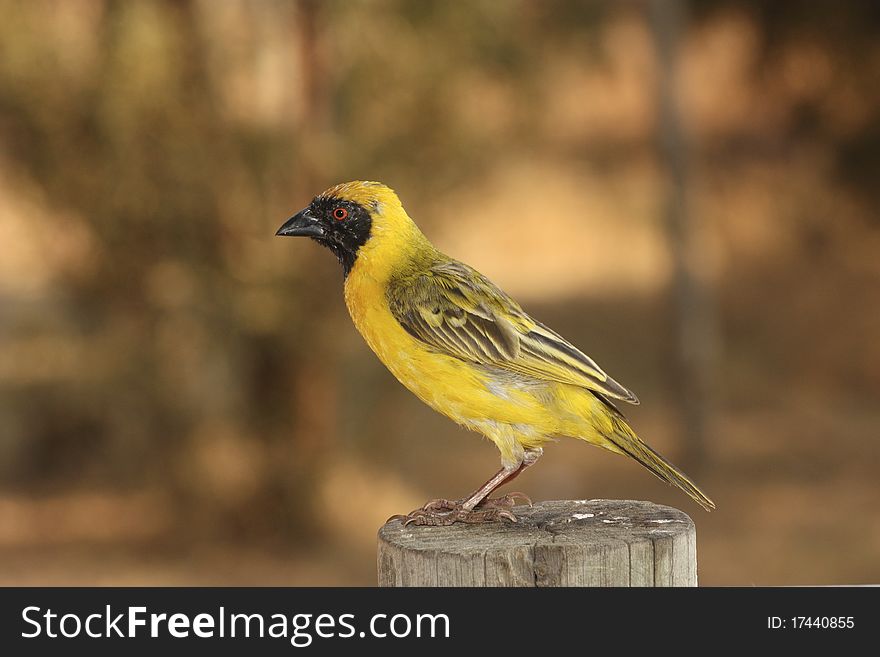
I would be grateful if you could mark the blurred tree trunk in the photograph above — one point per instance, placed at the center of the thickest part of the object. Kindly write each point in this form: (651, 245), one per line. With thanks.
(694, 326)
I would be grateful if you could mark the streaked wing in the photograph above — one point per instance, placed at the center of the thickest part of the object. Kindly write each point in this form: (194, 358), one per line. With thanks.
(456, 310)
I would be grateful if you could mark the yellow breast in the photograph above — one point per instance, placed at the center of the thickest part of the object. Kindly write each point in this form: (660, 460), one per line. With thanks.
(457, 389)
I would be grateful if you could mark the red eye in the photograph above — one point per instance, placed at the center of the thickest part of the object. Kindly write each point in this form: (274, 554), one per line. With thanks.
(340, 214)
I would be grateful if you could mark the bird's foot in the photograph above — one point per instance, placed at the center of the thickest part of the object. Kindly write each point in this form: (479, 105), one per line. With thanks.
(446, 512)
(505, 501)
(437, 518)
(441, 505)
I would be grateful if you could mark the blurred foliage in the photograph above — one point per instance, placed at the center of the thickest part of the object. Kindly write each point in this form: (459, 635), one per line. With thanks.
(156, 337)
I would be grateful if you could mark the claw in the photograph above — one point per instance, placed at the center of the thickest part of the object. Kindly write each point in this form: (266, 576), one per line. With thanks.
(506, 501)
(521, 496)
(450, 513)
(441, 505)
(507, 515)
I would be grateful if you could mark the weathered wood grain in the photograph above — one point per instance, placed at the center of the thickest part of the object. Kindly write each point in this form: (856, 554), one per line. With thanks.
(560, 543)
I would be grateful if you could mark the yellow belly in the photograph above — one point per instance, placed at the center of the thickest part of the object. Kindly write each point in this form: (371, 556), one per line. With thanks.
(448, 385)
(513, 416)
(461, 391)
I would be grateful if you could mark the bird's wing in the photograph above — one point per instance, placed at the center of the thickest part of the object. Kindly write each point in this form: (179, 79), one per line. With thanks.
(456, 310)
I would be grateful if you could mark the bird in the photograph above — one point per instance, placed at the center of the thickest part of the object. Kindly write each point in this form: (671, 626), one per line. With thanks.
(467, 349)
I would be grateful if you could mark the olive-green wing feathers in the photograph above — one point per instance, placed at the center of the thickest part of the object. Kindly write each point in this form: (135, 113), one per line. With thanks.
(456, 310)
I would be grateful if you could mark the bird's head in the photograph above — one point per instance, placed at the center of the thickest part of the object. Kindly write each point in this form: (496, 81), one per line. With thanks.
(348, 216)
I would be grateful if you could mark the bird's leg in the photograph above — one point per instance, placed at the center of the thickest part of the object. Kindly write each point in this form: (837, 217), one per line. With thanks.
(476, 507)
(474, 499)
(479, 496)
(530, 457)
(446, 512)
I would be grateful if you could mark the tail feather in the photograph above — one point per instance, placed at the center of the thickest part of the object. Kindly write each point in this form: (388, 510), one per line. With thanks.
(629, 443)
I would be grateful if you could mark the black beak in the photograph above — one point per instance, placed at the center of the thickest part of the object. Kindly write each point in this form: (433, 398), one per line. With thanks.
(302, 224)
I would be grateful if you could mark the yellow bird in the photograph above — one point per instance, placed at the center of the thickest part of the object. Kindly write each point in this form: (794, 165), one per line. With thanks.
(467, 349)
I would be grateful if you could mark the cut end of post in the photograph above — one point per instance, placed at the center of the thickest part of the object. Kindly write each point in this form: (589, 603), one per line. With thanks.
(558, 543)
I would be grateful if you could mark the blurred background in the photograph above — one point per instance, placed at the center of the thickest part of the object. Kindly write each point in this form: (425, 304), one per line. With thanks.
(183, 398)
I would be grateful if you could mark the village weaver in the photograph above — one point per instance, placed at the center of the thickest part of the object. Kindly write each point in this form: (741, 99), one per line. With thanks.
(467, 349)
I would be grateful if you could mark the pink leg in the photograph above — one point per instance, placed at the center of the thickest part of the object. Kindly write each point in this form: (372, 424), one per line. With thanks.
(476, 507)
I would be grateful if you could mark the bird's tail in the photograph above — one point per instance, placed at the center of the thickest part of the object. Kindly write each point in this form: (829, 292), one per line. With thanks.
(630, 444)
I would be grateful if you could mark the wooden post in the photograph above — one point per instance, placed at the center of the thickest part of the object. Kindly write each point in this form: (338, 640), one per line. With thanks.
(561, 543)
